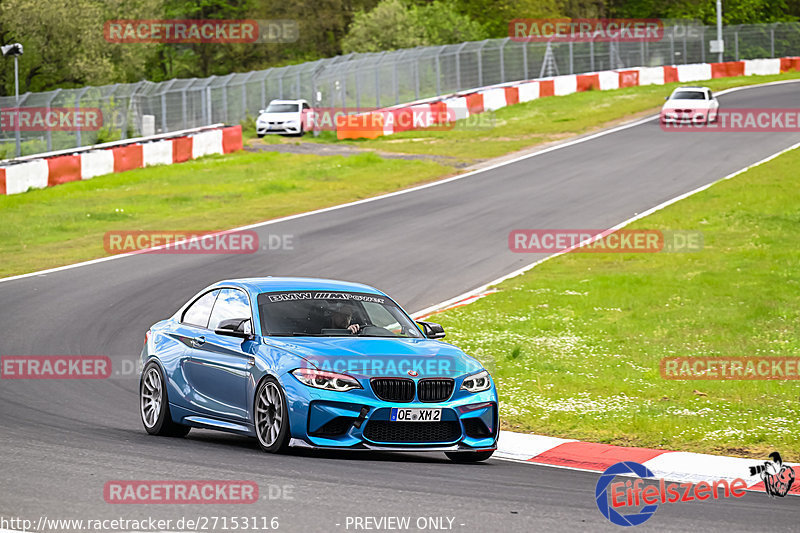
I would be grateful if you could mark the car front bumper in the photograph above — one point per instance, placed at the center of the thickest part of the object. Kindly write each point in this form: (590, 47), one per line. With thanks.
(276, 128)
(356, 421)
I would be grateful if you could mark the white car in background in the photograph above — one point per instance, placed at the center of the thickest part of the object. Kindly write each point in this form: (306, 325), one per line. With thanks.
(285, 117)
(690, 105)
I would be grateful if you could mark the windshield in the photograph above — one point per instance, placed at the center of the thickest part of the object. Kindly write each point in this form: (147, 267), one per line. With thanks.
(330, 314)
(688, 95)
(282, 108)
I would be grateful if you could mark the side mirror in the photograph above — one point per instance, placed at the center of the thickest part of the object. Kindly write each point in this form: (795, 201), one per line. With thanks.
(666, 98)
(236, 327)
(261, 111)
(432, 330)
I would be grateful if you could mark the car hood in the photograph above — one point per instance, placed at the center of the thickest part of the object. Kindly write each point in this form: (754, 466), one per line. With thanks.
(371, 357)
(294, 115)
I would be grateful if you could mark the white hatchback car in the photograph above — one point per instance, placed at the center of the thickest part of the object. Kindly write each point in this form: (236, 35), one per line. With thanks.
(286, 117)
(690, 105)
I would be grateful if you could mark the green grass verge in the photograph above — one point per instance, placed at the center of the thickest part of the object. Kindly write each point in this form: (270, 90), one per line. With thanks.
(575, 343)
(60, 225)
(52, 227)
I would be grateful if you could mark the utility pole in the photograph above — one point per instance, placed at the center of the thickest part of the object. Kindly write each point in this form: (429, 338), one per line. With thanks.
(15, 50)
(719, 28)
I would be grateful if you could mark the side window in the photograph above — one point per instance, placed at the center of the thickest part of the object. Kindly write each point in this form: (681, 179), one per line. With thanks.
(232, 304)
(382, 317)
(197, 314)
(710, 96)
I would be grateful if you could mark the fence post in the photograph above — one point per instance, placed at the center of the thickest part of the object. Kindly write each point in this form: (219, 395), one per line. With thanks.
(263, 93)
(525, 59)
(503, 59)
(358, 92)
(643, 47)
(416, 78)
(439, 71)
(671, 49)
(480, 62)
(736, 42)
(458, 66)
(591, 55)
(772, 41)
(685, 49)
(703, 44)
(571, 65)
(77, 110)
(184, 111)
(50, 131)
(209, 108)
(378, 80)
(244, 94)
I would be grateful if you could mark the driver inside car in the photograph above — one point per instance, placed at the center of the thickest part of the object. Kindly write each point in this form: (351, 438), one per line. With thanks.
(342, 319)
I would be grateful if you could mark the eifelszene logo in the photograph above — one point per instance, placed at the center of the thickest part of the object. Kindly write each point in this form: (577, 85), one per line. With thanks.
(642, 500)
(778, 478)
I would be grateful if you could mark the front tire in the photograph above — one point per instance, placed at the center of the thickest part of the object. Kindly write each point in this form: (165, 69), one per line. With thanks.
(468, 457)
(154, 405)
(271, 416)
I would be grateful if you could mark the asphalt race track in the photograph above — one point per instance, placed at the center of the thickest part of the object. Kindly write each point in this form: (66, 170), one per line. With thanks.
(62, 440)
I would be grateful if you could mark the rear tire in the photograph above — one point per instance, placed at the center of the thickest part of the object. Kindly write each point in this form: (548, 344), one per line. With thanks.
(154, 405)
(271, 416)
(468, 457)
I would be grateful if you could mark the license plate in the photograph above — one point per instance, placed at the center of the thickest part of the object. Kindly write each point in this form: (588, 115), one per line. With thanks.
(400, 414)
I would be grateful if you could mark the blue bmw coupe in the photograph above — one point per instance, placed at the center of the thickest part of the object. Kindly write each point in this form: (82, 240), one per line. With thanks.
(314, 363)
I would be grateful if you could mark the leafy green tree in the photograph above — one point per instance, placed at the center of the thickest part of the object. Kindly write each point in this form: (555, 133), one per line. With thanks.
(65, 45)
(391, 25)
(395, 24)
(443, 24)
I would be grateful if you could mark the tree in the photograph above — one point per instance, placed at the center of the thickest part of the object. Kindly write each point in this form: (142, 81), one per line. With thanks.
(394, 24)
(65, 45)
(391, 25)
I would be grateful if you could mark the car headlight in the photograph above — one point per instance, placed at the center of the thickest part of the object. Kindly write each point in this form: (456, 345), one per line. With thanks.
(321, 379)
(477, 382)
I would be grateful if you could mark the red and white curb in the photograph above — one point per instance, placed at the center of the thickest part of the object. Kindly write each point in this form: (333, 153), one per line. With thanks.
(19, 176)
(682, 467)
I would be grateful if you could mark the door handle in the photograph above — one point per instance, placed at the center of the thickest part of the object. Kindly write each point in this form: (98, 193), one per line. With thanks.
(251, 361)
(198, 341)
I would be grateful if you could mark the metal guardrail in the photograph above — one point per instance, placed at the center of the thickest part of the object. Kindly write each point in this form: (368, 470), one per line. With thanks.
(376, 80)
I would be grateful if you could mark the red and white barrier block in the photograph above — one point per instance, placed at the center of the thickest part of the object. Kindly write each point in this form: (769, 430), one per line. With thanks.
(463, 105)
(18, 177)
(682, 467)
